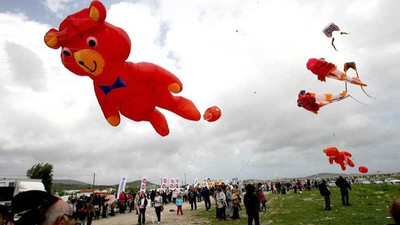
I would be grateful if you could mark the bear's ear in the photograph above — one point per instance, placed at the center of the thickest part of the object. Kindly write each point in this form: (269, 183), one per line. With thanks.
(97, 11)
(51, 39)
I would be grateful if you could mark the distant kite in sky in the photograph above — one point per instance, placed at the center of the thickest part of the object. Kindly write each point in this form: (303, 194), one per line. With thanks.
(92, 47)
(329, 29)
(212, 114)
(340, 157)
(314, 101)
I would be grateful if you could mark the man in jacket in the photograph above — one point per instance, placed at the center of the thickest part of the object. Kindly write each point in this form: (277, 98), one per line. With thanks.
(344, 189)
(323, 189)
(206, 197)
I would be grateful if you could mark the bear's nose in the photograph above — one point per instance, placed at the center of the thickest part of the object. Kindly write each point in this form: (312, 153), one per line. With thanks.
(81, 63)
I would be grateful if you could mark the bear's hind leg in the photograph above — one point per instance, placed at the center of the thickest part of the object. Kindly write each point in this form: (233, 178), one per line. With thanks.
(183, 107)
(159, 123)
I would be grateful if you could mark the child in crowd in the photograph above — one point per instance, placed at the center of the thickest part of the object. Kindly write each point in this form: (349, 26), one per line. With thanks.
(179, 205)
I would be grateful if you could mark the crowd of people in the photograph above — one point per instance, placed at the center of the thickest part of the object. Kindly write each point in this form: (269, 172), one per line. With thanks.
(39, 207)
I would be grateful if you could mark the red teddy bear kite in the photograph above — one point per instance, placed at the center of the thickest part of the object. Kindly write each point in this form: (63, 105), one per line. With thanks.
(92, 47)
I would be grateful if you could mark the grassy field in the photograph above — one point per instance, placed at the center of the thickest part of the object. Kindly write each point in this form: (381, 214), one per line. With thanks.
(369, 205)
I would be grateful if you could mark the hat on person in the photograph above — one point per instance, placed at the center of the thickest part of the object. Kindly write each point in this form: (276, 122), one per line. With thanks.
(31, 205)
(27, 200)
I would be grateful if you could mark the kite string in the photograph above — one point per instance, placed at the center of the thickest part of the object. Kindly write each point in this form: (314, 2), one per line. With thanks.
(348, 95)
(362, 86)
(244, 165)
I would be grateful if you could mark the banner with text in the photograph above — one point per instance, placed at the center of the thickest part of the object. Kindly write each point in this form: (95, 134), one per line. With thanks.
(122, 184)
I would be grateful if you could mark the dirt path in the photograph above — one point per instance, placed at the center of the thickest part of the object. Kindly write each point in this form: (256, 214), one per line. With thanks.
(167, 216)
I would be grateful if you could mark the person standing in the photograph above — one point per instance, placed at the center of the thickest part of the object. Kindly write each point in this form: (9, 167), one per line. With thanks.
(178, 203)
(262, 199)
(142, 204)
(235, 204)
(278, 187)
(252, 203)
(308, 185)
(228, 195)
(157, 205)
(344, 189)
(192, 198)
(206, 196)
(82, 211)
(220, 201)
(299, 186)
(323, 189)
(294, 186)
(130, 202)
(198, 191)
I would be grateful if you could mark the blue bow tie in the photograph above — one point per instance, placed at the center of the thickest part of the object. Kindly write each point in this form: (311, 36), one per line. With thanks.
(117, 84)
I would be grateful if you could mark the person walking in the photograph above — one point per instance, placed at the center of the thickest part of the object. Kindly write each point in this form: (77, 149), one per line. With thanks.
(142, 204)
(178, 203)
(252, 203)
(344, 189)
(323, 189)
(158, 205)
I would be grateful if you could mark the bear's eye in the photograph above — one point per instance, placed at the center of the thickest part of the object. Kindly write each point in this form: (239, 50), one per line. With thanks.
(91, 41)
(66, 52)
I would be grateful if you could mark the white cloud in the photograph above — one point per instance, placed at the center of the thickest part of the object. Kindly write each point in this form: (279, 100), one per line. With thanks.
(56, 5)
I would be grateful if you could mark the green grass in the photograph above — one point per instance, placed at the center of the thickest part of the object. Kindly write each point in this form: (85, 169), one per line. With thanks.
(369, 205)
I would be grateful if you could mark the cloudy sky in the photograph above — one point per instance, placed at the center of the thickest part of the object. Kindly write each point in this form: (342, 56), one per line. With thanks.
(246, 56)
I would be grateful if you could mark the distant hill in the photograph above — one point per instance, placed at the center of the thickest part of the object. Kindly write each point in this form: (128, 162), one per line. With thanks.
(61, 185)
(324, 175)
(69, 182)
(136, 184)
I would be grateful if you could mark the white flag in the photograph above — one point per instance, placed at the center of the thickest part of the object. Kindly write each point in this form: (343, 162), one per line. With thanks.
(122, 184)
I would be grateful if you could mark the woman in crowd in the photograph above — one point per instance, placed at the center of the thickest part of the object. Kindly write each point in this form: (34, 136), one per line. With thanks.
(235, 204)
(158, 205)
(142, 204)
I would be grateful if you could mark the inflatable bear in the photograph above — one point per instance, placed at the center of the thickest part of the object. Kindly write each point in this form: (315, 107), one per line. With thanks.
(94, 48)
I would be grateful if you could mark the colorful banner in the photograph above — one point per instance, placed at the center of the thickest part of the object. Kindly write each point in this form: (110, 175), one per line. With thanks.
(177, 182)
(143, 185)
(122, 184)
(172, 184)
(164, 183)
(205, 182)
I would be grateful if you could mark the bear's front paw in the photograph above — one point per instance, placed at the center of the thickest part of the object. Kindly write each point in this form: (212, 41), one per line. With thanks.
(113, 120)
(174, 88)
